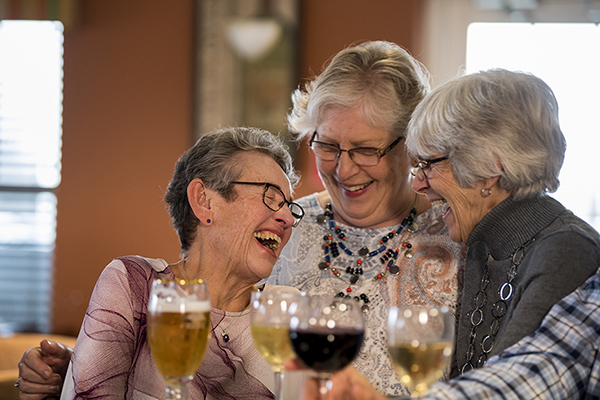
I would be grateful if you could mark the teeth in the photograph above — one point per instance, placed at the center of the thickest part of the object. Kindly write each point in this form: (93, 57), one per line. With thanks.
(438, 202)
(355, 188)
(268, 239)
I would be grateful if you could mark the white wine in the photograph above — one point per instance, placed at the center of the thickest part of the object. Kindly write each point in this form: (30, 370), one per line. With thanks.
(420, 364)
(273, 343)
(178, 339)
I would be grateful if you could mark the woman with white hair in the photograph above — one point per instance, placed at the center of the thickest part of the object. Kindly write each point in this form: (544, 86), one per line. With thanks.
(490, 148)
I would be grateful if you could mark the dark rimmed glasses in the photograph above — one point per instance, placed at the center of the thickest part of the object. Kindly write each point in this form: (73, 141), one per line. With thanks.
(274, 199)
(424, 165)
(363, 156)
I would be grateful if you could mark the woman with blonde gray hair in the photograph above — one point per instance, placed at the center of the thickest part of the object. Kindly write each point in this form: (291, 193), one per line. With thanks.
(368, 235)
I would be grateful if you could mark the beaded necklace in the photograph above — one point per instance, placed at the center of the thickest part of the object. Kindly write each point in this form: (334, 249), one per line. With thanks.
(331, 250)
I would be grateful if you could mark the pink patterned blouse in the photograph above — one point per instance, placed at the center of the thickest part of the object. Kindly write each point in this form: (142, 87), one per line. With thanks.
(112, 358)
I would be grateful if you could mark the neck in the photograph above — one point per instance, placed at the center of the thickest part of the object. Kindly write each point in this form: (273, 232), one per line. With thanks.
(226, 291)
(402, 209)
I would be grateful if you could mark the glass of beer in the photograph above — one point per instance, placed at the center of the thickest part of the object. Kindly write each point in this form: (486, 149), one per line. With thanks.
(420, 341)
(269, 322)
(178, 331)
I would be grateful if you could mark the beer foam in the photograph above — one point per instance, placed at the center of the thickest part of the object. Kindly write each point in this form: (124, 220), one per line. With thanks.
(162, 305)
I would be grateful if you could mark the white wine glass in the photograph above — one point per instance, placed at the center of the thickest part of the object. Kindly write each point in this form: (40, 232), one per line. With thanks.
(420, 342)
(270, 322)
(178, 331)
(326, 334)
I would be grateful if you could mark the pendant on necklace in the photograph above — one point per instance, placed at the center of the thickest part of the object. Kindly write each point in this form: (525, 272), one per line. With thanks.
(394, 270)
(412, 227)
(225, 337)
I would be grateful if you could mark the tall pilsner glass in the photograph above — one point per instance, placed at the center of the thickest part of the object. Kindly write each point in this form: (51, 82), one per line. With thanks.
(420, 341)
(270, 322)
(178, 331)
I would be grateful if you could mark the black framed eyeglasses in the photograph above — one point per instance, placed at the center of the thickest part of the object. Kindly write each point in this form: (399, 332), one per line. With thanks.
(363, 156)
(274, 199)
(424, 165)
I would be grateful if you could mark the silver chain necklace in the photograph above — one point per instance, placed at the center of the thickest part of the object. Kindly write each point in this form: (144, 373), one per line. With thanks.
(499, 308)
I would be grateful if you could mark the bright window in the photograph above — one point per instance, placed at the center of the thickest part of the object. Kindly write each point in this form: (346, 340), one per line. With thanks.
(567, 57)
(31, 72)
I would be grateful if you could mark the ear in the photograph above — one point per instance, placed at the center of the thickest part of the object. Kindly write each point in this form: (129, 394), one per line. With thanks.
(490, 182)
(199, 198)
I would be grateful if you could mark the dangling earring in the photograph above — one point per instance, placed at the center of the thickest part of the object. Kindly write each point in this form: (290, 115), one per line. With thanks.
(486, 192)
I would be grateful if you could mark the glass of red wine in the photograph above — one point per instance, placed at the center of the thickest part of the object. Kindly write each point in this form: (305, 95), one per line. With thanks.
(326, 335)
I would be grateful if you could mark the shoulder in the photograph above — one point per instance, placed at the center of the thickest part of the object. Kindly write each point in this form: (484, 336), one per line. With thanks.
(132, 271)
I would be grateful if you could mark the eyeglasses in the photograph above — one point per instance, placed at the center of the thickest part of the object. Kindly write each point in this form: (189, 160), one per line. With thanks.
(424, 165)
(274, 199)
(363, 156)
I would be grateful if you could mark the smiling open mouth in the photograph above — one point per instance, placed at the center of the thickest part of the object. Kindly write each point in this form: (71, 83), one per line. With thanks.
(268, 239)
(356, 188)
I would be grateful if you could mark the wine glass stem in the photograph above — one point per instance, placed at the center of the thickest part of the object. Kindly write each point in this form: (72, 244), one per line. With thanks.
(324, 388)
(278, 385)
(176, 392)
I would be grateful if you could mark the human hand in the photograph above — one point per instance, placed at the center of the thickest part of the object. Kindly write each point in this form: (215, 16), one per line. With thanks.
(42, 370)
(347, 384)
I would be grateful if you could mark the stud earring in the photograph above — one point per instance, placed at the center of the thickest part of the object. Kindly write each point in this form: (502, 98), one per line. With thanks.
(208, 221)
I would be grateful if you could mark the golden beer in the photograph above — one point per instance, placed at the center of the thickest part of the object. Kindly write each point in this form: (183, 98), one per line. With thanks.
(273, 343)
(178, 339)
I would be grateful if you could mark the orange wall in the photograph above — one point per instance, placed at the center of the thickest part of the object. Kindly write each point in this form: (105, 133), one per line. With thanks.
(128, 116)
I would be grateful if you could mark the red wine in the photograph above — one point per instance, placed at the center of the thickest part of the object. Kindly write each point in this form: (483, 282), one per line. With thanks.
(327, 350)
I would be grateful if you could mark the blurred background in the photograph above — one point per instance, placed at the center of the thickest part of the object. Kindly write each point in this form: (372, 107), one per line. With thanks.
(98, 99)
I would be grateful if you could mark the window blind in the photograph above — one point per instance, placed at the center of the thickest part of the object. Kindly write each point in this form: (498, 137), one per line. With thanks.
(31, 72)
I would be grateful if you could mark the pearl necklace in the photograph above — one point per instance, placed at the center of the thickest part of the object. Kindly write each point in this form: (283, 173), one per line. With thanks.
(331, 250)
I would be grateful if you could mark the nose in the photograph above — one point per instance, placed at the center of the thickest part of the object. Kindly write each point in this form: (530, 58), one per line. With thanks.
(419, 182)
(345, 167)
(284, 215)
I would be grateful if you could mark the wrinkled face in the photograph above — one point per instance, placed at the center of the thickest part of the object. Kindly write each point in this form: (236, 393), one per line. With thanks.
(250, 234)
(466, 206)
(365, 197)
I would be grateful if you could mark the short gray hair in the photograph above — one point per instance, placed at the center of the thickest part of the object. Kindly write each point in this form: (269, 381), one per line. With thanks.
(213, 160)
(493, 123)
(381, 77)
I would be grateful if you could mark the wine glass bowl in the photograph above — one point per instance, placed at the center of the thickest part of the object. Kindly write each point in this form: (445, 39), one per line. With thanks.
(178, 330)
(420, 342)
(326, 334)
(269, 323)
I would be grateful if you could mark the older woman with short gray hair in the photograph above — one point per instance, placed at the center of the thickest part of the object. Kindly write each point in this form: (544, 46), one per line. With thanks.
(489, 147)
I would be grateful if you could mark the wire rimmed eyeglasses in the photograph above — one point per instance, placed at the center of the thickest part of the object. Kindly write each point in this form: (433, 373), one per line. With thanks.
(363, 156)
(424, 165)
(274, 199)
